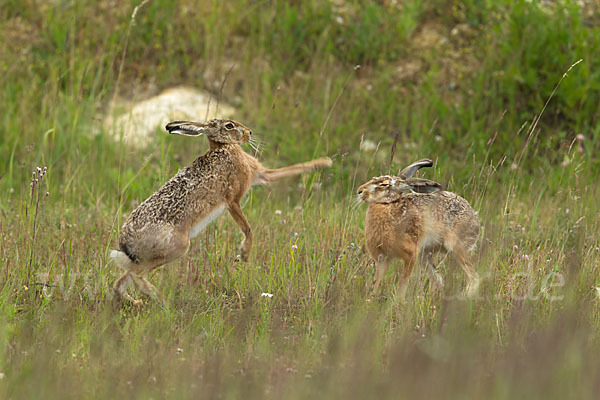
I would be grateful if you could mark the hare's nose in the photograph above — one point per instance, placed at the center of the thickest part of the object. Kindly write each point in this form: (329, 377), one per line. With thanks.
(250, 133)
(360, 191)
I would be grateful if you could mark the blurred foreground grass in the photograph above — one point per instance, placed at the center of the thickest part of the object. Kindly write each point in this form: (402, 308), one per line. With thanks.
(460, 82)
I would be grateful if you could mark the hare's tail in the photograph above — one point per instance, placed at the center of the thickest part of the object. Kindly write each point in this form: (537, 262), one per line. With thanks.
(271, 175)
(121, 259)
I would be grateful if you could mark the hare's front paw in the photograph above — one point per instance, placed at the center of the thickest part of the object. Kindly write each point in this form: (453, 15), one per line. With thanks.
(245, 247)
(241, 257)
(137, 302)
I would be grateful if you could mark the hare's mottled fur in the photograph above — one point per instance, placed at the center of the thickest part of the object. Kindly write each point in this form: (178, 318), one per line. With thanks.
(404, 223)
(159, 230)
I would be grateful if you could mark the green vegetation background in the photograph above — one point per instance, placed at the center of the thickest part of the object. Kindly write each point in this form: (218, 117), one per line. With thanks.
(462, 82)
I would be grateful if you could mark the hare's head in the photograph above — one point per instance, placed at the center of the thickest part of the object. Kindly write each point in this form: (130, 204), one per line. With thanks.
(387, 189)
(381, 189)
(223, 131)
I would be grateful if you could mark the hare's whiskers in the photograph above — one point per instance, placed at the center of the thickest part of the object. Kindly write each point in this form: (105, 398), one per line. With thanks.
(256, 141)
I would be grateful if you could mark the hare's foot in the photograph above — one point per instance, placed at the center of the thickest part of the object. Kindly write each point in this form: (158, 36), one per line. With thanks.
(119, 289)
(244, 254)
(245, 247)
(135, 302)
(118, 299)
(436, 282)
(401, 292)
(148, 289)
(241, 258)
(372, 293)
(472, 288)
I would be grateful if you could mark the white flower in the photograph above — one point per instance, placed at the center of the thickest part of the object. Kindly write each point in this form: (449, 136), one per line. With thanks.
(269, 295)
(294, 247)
(277, 212)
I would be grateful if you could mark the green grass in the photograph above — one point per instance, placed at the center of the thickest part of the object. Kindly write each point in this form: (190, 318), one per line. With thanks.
(533, 332)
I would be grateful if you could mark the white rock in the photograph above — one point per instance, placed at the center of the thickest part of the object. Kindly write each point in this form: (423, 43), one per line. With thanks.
(137, 123)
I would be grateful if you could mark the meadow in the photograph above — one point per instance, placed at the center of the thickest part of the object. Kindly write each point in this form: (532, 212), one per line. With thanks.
(503, 95)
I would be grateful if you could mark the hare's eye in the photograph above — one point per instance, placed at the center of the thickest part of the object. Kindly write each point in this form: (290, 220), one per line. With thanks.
(229, 126)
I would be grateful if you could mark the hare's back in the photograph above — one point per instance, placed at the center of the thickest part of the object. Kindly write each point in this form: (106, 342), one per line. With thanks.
(453, 207)
(193, 189)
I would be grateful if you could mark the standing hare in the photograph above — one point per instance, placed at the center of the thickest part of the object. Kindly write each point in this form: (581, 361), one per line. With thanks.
(408, 217)
(159, 230)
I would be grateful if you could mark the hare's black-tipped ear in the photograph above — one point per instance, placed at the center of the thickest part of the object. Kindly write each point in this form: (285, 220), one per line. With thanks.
(420, 185)
(409, 171)
(187, 128)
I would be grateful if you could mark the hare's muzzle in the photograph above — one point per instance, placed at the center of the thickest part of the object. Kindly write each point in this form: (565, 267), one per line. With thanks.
(363, 194)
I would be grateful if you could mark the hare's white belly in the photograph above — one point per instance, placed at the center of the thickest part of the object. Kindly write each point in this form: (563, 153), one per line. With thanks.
(429, 240)
(431, 236)
(203, 223)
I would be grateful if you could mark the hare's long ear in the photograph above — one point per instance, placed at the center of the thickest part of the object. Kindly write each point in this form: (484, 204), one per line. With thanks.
(187, 128)
(420, 185)
(409, 171)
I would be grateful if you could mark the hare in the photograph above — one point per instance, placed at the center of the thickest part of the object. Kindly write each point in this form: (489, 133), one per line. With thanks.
(408, 217)
(159, 230)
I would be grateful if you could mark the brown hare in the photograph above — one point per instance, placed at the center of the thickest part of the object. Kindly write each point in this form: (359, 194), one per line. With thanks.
(159, 230)
(408, 217)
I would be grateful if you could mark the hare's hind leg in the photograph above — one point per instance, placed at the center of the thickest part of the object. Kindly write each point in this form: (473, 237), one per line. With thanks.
(147, 288)
(437, 282)
(158, 252)
(462, 257)
(171, 250)
(236, 212)
(121, 284)
(120, 289)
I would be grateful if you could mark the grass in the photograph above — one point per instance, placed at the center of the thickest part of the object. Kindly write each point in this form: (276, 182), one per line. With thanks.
(533, 332)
